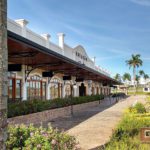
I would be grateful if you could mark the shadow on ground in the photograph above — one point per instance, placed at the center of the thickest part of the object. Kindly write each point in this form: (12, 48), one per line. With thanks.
(66, 123)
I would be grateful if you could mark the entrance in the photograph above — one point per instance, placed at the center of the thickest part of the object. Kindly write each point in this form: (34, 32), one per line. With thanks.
(82, 90)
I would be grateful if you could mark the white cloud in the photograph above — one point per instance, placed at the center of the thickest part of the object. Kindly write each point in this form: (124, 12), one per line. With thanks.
(141, 2)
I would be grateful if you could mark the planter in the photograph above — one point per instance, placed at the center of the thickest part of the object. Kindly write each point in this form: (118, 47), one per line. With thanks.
(49, 115)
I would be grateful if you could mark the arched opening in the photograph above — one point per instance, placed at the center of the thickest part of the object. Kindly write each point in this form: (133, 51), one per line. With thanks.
(36, 88)
(56, 88)
(68, 89)
(93, 91)
(82, 90)
(97, 90)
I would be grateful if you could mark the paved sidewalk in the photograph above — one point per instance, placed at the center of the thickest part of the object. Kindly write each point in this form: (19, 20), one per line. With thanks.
(94, 126)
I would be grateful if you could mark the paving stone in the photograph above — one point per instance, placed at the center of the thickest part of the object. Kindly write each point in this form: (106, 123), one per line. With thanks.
(93, 127)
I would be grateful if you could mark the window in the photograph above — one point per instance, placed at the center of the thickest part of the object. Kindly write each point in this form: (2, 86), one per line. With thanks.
(10, 89)
(14, 89)
(56, 88)
(68, 89)
(36, 88)
(18, 88)
(81, 56)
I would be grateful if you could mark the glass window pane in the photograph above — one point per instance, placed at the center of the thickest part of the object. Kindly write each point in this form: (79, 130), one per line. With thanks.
(39, 89)
(10, 88)
(28, 88)
(44, 89)
(18, 88)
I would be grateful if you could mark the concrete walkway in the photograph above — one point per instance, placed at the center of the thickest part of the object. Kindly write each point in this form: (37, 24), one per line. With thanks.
(93, 127)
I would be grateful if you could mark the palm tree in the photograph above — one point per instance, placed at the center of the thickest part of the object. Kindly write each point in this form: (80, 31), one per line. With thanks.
(141, 73)
(117, 77)
(146, 76)
(134, 62)
(3, 73)
(127, 77)
(137, 78)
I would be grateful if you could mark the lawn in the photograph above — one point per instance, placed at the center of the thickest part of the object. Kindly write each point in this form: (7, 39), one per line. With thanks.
(138, 93)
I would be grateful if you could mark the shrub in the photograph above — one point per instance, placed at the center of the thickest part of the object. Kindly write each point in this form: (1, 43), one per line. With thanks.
(140, 108)
(33, 106)
(137, 108)
(126, 135)
(30, 137)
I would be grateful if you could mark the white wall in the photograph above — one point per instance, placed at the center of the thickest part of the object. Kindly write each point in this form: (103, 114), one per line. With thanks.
(20, 27)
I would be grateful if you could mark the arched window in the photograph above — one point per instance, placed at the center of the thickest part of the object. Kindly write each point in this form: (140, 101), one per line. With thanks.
(36, 88)
(93, 90)
(56, 88)
(97, 90)
(68, 89)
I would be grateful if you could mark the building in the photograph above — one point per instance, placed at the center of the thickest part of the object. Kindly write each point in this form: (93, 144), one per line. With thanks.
(40, 69)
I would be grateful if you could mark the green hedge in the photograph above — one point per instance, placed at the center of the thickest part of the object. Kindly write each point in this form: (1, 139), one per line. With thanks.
(33, 106)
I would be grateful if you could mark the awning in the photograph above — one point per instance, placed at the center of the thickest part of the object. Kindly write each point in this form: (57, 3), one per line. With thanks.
(26, 52)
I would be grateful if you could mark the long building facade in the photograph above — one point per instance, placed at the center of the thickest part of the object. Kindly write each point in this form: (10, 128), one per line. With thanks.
(70, 72)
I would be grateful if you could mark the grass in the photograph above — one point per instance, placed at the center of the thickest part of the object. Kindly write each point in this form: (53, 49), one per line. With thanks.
(138, 93)
(126, 136)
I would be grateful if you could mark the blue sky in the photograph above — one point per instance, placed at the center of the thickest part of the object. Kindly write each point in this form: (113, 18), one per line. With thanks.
(110, 30)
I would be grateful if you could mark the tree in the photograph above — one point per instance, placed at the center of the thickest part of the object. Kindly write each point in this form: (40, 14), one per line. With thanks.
(127, 77)
(141, 73)
(134, 62)
(137, 78)
(3, 73)
(146, 76)
(117, 77)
